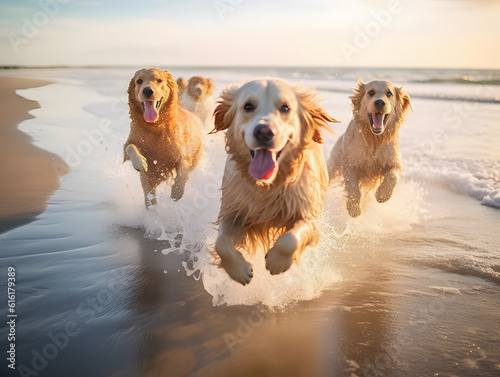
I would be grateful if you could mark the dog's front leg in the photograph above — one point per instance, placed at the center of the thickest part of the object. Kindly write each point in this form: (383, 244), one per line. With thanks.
(180, 181)
(149, 190)
(140, 164)
(230, 233)
(353, 194)
(386, 188)
(138, 160)
(290, 246)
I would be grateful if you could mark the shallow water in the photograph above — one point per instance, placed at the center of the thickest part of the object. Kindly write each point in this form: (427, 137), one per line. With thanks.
(107, 288)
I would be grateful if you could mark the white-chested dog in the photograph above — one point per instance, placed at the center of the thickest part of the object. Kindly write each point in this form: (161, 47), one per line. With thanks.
(275, 177)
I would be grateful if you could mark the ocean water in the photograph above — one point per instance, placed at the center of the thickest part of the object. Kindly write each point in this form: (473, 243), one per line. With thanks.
(410, 288)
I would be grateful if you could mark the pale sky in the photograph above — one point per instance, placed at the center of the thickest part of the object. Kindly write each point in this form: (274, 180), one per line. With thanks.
(357, 33)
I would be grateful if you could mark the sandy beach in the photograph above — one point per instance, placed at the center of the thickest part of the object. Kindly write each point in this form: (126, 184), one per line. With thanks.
(27, 174)
(106, 288)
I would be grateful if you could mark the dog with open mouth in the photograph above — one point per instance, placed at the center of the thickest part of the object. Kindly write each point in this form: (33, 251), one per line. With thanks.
(367, 154)
(275, 178)
(164, 140)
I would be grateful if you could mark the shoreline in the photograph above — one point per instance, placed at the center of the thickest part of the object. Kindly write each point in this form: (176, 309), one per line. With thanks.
(27, 174)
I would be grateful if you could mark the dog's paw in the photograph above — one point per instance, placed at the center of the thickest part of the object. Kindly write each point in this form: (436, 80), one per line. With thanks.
(150, 200)
(353, 208)
(280, 257)
(139, 163)
(176, 193)
(382, 195)
(178, 188)
(237, 268)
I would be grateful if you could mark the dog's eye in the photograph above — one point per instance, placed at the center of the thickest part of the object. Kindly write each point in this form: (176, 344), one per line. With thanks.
(139, 81)
(284, 109)
(158, 80)
(389, 94)
(249, 107)
(371, 93)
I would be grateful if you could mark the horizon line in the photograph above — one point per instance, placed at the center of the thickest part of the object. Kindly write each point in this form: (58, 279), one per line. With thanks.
(214, 66)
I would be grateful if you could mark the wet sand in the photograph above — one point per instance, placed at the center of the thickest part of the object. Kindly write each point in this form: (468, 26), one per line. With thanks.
(27, 172)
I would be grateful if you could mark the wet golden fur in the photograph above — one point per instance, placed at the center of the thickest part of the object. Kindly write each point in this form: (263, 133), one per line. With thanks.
(181, 86)
(365, 159)
(169, 147)
(197, 97)
(199, 87)
(265, 211)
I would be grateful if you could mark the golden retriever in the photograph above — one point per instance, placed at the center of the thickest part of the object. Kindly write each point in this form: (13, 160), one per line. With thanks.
(275, 177)
(367, 154)
(164, 140)
(197, 97)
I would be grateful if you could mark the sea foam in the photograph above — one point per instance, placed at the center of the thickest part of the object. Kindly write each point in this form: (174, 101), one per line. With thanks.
(477, 179)
(188, 227)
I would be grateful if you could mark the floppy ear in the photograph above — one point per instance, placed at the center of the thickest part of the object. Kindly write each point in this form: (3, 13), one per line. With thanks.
(168, 76)
(404, 101)
(359, 91)
(172, 86)
(220, 112)
(320, 118)
(224, 112)
(315, 117)
(131, 89)
(210, 87)
(131, 84)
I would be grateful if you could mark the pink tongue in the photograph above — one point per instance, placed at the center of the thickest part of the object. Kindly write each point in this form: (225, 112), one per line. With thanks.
(377, 120)
(150, 113)
(263, 164)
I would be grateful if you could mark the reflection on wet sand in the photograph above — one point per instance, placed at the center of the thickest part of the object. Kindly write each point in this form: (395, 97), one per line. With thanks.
(186, 336)
(366, 325)
(29, 175)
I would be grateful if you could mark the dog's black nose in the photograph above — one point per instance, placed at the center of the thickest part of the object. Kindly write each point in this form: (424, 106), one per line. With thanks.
(379, 103)
(147, 91)
(263, 133)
